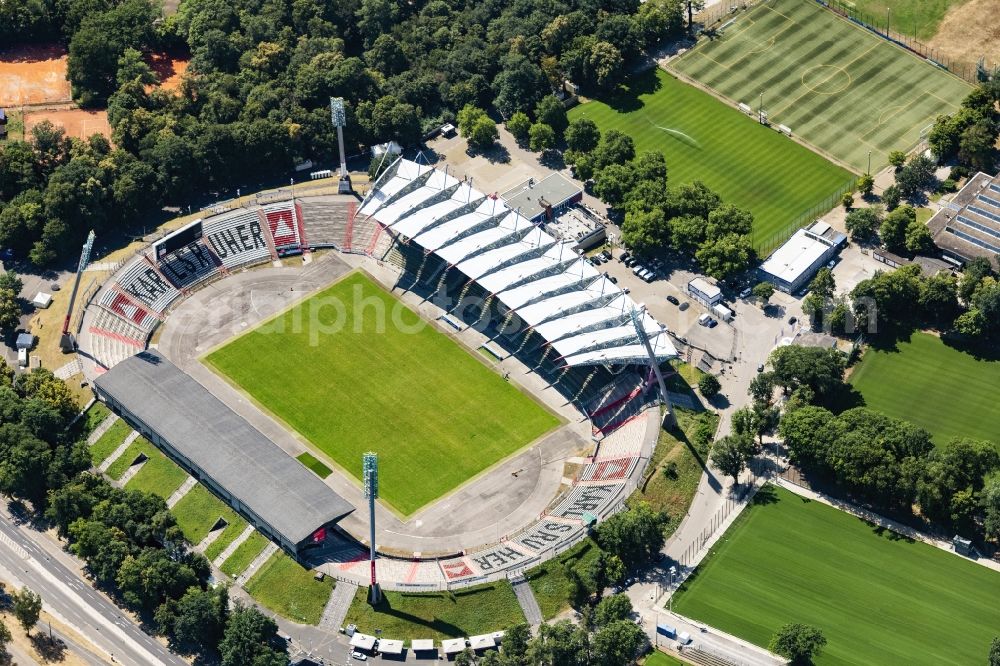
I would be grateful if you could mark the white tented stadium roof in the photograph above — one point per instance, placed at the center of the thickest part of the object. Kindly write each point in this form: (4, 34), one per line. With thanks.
(585, 317)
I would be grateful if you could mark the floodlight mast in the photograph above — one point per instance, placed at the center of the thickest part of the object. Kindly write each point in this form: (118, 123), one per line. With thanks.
(339, 119)
(66, 341)
(369, 472)
(636, 313)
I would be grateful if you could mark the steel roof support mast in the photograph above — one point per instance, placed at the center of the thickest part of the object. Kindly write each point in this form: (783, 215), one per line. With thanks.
(339, 119)
(654, 364)
(66, 341)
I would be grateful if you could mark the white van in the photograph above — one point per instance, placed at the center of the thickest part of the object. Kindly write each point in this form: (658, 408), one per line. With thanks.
(703, 320)
(724, 313)
(22, 358)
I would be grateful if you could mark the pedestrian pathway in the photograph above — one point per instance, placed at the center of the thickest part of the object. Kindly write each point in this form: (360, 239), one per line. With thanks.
(209, 538)
(102, 428)
(117, 453)
(231, 548)
(72, 368)
(526, 598)
(176, 496)
(129, 473)
(338, 605)
(258, 562)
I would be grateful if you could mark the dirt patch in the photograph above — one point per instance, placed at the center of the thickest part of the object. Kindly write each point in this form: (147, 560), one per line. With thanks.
(33, 75)
(77, 122)
(168, 69)
(970, 31)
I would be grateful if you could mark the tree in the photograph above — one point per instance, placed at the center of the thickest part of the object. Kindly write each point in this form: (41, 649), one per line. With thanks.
(762, 292)
(519, 86)
(891, 197)
(726, 255)
(822, 370)
(692, 198)
(515, 644)
(897, 158)
(862, 223)
(918, 238)
(847, 200)
(995, 651)
(614, 147)
(645, 232)
(728, 219)
(561, 643)
(687, 232)
(618, 643)
(551, 112)
(762, 388)
(27, 608)
(820, 298)
(808, 433)
(633, 535)
(5, 636)
(892, 231)
(976, 147)
(198, 618)
(866, 184)
(613, 182)
(541, 138)
(518, 125)
(730, 454)
(709, 385)
(973, 273)
(991, 507)
(611, 609)
(476, 127)
(798, 643)
(582, 135)
(10, 310)
(916, 176)
(465, 658)
(939, 299)
(248, 639)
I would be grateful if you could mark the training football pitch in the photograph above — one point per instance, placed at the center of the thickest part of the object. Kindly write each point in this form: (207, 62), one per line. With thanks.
(353, 370)
(878, 598)
(704, 139)
(835, 84)
(946, 391)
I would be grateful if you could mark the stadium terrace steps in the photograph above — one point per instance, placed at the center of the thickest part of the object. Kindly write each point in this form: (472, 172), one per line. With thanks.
(178, 494)
(209, 538)
(111, 324)
(117, 453)
(526, 599)
(325, 219)
(383, 246)
(337, 606)
(189, 265)
(132, 470)
(257, 563)
(624, 442)
(144, 283)
(610, 470)
(127, 309)
(283, 225)
(237, 239)
(362, 235)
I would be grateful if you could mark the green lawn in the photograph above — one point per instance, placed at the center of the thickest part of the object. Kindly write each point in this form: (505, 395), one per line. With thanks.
(912, 18)
(676, 467)
(199, 510)
(877, 597)
(351, 380)
(946, 391)
(465, 612)
(91, 419)
(704, 139)
(662, 659)
(550, 583)
(160, 475)
(244, 554)
(124, 461)
(109, 441)
(310, 461)
(284, 586)
(836, 85)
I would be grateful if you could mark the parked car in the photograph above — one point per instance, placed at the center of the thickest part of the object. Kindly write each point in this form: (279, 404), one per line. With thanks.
(792, 320)
(624, 256)
(613, 279)
(746, 292)
(606, 254)
(360, 656)
(712, 323)
(674, 300)
(760, 367)
(684, 306)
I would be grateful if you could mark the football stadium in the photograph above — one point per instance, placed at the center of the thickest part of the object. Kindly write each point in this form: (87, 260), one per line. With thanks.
(430, 323)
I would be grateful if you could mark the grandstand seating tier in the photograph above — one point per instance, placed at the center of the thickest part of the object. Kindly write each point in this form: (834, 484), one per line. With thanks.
(189, 265)
(144, 283)
(283, 225)
(120, 304)
(237, 239)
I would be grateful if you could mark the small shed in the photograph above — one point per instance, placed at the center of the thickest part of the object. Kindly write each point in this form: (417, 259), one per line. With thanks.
(25, 341)
(453, 646)
(42, 300)
(961, 546)
(666, 630)
(422, 644)
(390, 646)
(363, 641)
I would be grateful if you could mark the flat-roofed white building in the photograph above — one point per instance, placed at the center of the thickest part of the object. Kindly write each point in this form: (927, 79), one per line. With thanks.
(793, 264)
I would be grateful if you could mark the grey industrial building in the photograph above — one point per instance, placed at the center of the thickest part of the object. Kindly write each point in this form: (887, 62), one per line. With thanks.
(275, 493)
(968, 226)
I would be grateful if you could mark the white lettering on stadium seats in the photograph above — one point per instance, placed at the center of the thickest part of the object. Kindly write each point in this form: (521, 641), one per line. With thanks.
(231, 242)
(589, 500)
(546, 534)
(182, 260)
(499, 558)
(148, 286)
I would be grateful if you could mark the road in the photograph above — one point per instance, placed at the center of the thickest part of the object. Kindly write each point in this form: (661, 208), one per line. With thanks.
(40, 564)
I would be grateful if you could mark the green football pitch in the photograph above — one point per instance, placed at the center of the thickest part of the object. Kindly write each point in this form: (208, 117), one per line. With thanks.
(353, 370)
(704, 139)
(878, 598)
(946, 391)
(835, 84)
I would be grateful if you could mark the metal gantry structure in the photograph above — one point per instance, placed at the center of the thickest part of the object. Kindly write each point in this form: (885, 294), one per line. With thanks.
(339, 118)
(66, 341)
(369, 473)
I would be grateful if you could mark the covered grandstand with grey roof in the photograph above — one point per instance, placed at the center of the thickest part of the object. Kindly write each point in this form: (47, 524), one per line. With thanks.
(580, 314)
(274, 492)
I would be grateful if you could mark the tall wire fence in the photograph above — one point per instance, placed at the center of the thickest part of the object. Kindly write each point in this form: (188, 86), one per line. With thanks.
(771, 243)
(723, 12)
(882, 25)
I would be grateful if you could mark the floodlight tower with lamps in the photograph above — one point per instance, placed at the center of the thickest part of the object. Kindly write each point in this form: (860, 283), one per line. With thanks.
(637, 313)
(339, 119)
(66, 341)
(369, 472)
